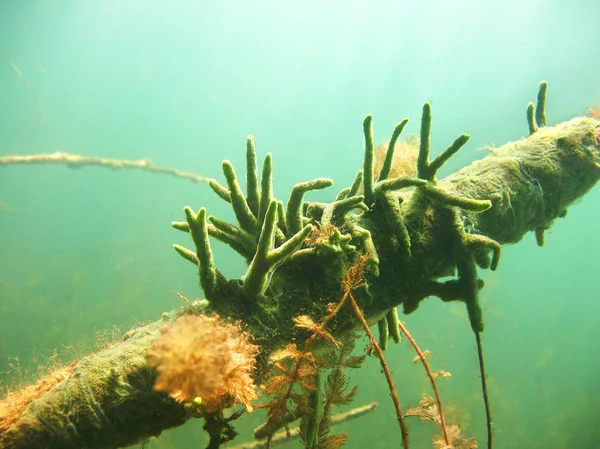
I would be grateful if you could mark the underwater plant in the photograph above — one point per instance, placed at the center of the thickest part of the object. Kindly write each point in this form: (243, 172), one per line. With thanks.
(199, 356)
(332, 269)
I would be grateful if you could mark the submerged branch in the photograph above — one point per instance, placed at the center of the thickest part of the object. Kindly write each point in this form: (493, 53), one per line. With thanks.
(79, 160)
(409, 236)
(286, 436)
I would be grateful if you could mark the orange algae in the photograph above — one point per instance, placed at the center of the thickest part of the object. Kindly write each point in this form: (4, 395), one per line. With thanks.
(199, 356)
(404, 162)
(16, 402)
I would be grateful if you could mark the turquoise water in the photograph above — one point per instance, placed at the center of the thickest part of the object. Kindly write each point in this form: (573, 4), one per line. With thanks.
(183, 83)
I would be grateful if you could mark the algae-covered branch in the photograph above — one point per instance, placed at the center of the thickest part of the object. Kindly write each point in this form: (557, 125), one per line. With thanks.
(414, 228)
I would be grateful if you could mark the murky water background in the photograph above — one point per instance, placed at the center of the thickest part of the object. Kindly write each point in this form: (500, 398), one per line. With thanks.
(184, 83)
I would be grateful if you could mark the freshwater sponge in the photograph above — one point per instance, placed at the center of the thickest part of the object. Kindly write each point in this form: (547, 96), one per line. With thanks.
(204, 357)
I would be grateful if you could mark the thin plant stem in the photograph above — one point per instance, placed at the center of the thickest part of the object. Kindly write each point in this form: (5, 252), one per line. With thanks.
(438, 399)
(80, 160)
(286, 436)
(386, 370)
(486, 400)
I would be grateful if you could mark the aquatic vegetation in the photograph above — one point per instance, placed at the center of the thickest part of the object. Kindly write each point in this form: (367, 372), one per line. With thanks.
(332, 269)
(432, 405)
(305, 372)
(200, 358)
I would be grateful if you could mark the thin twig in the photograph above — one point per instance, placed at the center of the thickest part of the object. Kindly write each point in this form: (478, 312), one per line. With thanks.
(438, 399)
(285, 436)
(187, 301)
(78, 160)
(486, 400)
(386, 370)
